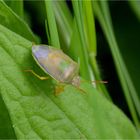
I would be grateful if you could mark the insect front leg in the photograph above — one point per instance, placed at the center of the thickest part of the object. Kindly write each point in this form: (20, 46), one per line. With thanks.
(76, 82)
(59, 88)
(38, 76)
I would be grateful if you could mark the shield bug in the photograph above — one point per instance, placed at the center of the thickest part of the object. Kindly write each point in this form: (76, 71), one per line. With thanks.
(57, 64)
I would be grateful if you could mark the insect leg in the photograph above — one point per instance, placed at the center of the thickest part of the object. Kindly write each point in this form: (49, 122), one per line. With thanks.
(38, 76)
(59, 87)
(80, 89)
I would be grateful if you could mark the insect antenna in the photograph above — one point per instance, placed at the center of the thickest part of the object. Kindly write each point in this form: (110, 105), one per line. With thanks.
(95, 81)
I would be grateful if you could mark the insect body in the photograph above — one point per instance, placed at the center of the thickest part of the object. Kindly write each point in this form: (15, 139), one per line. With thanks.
(57, 64)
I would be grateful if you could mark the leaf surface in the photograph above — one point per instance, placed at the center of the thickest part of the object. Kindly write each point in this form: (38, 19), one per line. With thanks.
(17, 7)
(6, 130)
(12, 21)
(36, 113)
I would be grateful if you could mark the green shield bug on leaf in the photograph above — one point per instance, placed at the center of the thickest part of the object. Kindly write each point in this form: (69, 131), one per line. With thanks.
(58, 65)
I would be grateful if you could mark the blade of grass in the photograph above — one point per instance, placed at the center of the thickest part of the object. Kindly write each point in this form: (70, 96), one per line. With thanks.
(75, 51)
(89, 27)
(135, 5)
(77, 6)
(90, 35)
(64, 21)
(105, 21)
(52, 25)
(47, 32)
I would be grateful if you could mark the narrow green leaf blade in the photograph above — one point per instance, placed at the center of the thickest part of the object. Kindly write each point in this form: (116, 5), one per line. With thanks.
(64, 21)
(52, 28)
(76, 48)
(90, 37)
(90, 27)
(77, 7)
(37, 114)
(135, 5)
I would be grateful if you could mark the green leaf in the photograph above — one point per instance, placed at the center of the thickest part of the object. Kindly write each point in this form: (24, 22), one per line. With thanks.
(6, 130)
(37, 114)
(17, 7)
(135, 5)
(10, 20)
